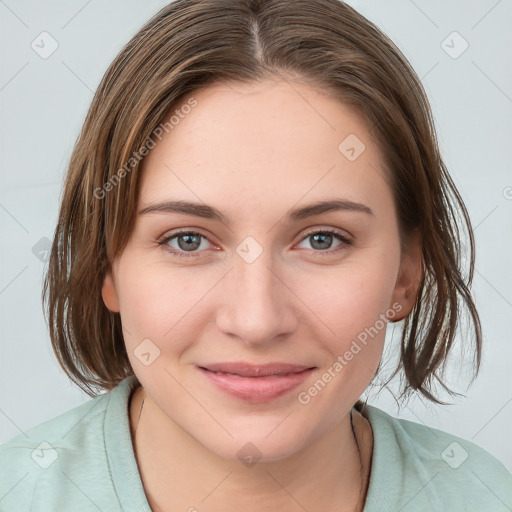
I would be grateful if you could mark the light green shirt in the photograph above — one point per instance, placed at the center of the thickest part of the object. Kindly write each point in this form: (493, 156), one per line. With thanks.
(83, 460)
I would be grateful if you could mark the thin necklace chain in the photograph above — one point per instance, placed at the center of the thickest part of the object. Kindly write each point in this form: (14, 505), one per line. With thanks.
(360, 503)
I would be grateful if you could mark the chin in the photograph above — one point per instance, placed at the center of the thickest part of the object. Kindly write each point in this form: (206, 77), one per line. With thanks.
(256, 446)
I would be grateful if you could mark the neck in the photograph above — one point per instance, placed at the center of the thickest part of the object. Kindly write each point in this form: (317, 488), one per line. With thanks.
(178, 472)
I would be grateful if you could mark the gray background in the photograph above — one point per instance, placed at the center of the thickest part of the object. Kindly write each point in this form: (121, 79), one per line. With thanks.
(43, 103)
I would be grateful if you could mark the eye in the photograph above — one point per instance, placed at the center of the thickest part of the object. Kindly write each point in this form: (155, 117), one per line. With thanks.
(190, 243)
(184, 242)
(322, 240)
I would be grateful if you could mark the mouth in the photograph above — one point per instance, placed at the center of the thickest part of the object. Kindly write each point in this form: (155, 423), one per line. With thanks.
(256, 383)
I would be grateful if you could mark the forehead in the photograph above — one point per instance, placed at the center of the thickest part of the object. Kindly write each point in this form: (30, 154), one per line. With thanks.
(263, 143)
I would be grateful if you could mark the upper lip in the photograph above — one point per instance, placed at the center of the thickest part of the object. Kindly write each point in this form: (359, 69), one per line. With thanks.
(255, 370)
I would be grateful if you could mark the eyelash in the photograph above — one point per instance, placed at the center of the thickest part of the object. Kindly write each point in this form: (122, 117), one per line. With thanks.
(180, 254)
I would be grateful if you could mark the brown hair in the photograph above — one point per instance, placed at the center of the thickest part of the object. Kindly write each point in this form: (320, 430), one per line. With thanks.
(190, 44)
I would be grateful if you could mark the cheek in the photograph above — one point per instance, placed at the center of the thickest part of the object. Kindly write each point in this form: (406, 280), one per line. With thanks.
(154, 302)
(352, 308)
(351, 297)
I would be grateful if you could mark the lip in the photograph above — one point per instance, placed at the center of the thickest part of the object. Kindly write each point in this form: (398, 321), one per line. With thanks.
(256, 383)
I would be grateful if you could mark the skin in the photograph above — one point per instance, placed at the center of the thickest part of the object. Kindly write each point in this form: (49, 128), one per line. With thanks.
(255, 151)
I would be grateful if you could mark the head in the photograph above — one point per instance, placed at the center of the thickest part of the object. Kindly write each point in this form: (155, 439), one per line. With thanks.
(255, 113)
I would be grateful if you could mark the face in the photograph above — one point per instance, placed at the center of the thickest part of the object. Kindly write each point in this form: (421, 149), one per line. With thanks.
(264, 320)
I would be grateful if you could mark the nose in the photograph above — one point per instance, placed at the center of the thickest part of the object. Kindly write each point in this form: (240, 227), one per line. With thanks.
(257, 303)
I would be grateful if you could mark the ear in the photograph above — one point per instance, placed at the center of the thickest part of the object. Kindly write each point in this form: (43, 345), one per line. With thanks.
(109, 293)
(409, 276)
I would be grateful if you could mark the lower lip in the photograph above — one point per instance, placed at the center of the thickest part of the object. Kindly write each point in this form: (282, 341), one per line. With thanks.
(256, 389)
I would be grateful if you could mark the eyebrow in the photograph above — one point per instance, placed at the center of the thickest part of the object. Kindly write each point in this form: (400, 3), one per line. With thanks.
(209, 212)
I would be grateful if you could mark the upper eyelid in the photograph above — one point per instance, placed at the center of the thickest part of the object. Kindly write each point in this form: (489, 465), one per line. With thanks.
(166, 238)
(337, 231)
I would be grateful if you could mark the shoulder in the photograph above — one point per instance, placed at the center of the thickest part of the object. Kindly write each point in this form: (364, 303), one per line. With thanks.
(434, 469)
(62, 460)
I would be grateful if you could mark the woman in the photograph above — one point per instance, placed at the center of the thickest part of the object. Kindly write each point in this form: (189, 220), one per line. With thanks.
(256, 193)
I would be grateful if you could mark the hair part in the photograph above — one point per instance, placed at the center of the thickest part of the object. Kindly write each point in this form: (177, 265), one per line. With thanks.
(191, 44)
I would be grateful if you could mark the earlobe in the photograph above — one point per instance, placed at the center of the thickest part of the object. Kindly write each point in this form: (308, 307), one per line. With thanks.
(409, 277)
(109, 293)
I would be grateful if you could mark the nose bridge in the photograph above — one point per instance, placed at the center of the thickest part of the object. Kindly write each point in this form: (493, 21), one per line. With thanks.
(257, 304)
